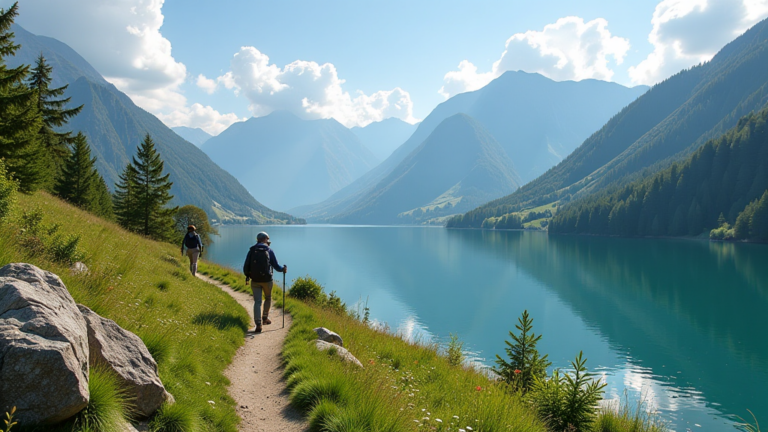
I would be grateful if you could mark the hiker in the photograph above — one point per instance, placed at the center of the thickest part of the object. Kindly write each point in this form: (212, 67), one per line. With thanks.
(194, 248)
(258, 268)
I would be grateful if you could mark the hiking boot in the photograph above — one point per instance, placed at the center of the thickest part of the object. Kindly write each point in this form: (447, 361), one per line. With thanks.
(266, 320)
(258, 329)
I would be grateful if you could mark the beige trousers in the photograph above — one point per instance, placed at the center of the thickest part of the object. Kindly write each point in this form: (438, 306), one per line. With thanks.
(258, 288)
(193, 255)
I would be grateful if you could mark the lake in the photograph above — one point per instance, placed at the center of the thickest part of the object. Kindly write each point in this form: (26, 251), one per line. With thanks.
(679, 324)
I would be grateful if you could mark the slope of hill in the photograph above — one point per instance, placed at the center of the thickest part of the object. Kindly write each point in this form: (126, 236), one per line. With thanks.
(459, 165)
(722, 177)
(666, 124)
(288, 161)
(196, 136)
(383, 137)
(115, 126)
(536, 120)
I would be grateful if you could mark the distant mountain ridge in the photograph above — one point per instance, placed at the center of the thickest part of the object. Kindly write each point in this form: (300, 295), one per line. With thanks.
(115, 126)
(459, 165)
(666, 124)
(196, 136)
(288, 161)
(384, 137)
(532, 117)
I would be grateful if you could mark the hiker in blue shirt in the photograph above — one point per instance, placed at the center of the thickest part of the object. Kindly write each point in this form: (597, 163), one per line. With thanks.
(194, 248)
(259, 263)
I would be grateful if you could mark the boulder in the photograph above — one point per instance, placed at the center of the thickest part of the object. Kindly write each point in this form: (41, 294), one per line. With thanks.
(328, 336)
(43, 347)
(125, 354)
(343, 352)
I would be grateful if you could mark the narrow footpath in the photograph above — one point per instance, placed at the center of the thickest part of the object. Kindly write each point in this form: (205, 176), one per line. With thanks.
(256, 374)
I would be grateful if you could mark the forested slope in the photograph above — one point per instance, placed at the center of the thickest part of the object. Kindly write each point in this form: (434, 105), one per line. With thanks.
(666, 124)
(722, 177)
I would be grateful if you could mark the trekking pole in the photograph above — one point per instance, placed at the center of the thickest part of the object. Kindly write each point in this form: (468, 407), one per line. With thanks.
(284, 291)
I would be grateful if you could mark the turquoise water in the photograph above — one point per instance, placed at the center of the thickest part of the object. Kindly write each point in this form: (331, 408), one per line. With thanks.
(679, 324)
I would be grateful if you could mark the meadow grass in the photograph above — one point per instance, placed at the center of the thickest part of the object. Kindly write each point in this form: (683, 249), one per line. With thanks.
(191, 328)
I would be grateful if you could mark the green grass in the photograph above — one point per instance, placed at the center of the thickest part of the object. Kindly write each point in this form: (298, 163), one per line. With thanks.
(192, 328)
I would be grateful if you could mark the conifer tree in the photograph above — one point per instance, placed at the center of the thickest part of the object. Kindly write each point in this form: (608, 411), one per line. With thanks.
(101, 204)
(19, 118)
(525, 364)
(143, 193)
(79, 174)
(54, 115)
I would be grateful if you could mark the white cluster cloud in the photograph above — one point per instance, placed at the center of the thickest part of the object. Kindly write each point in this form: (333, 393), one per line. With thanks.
(569, 49)
(688, 32)
(122, 40)
(308, 89)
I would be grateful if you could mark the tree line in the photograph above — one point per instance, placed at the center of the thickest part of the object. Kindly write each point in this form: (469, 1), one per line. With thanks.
(725, 182)
(38, 153)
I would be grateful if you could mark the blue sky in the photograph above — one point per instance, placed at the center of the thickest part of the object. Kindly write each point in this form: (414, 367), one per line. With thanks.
(208, 64)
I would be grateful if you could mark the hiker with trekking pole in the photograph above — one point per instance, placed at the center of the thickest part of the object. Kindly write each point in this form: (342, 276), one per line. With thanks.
(194, 248)
(259, 263)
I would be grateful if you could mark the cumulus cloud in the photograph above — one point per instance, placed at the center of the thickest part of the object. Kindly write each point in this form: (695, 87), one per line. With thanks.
(569, 49)
(200, 116)
(688, 32)
(206, 84)
(122, 40)
(309, 90)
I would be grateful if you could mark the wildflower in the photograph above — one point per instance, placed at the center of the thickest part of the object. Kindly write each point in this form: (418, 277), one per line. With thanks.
(478, 388)
(456, 417)
(416, 362)
(518, 371)
(438, 420)
(371, 361)
(469, 428)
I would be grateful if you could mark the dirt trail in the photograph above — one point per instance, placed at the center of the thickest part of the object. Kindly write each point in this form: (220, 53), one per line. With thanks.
(256, 374)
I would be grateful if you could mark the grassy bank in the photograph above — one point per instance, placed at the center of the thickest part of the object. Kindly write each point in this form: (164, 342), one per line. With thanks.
(191, 328)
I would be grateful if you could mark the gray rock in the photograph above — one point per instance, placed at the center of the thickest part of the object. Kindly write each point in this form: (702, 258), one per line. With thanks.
(328, 336)
(78, 268)
(343, 352)
(43, 347)
(125, 353)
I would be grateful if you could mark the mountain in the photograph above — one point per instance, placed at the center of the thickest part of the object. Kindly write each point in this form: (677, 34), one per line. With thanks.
(288, 161)
(666, 124)
(459, 165)
(383, 137)
(720, 178)
(536, 120)
(196, 136)
(115, 126)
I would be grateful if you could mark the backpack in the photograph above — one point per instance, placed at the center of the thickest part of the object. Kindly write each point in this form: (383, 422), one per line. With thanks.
(191, 242)
(261, 270)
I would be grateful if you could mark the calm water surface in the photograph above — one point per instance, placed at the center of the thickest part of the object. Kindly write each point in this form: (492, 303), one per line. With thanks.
(682, 325)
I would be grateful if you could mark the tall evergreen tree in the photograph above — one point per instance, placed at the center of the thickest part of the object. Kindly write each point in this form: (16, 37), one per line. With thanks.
(80, 182)
(54, 114)
(19, 118)
(143, 193)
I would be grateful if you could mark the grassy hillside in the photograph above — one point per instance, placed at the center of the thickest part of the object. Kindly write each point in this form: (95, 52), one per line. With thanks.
(192, 328)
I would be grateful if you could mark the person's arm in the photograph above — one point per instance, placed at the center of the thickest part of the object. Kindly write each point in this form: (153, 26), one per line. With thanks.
(273, 262)
(247, 265)
(200, 243)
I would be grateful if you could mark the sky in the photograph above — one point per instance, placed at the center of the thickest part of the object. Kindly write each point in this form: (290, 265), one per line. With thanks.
(209, 64)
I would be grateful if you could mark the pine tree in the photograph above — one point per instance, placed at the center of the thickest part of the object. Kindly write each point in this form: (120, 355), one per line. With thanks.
(19, 118)
(54, 115)
(759, 222)
(78, 175)
(524, 363)
(143, 193)
(101, 204)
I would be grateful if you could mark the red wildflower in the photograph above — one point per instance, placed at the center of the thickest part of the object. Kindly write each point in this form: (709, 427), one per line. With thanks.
(518, 371)
(478, 388)
(371, 362)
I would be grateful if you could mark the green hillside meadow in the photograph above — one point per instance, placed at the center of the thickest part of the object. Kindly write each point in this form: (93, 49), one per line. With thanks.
(191, 328)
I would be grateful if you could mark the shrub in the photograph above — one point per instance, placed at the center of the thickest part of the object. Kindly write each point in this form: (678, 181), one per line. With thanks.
(568, 401)
(306, 288)
(7, 193)
(525, 364)
(334, 304)
(108, 405)
(455, 351)
(65, 249)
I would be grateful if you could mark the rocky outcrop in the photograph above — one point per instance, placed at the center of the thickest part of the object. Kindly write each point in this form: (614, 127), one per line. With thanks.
(328, 336)
(342, 352)
(126, 354)
(43, 347)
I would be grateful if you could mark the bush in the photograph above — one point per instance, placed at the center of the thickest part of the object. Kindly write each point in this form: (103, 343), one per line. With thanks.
(568, 401)
(7, 193)
(306, 288)
(455, 351)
